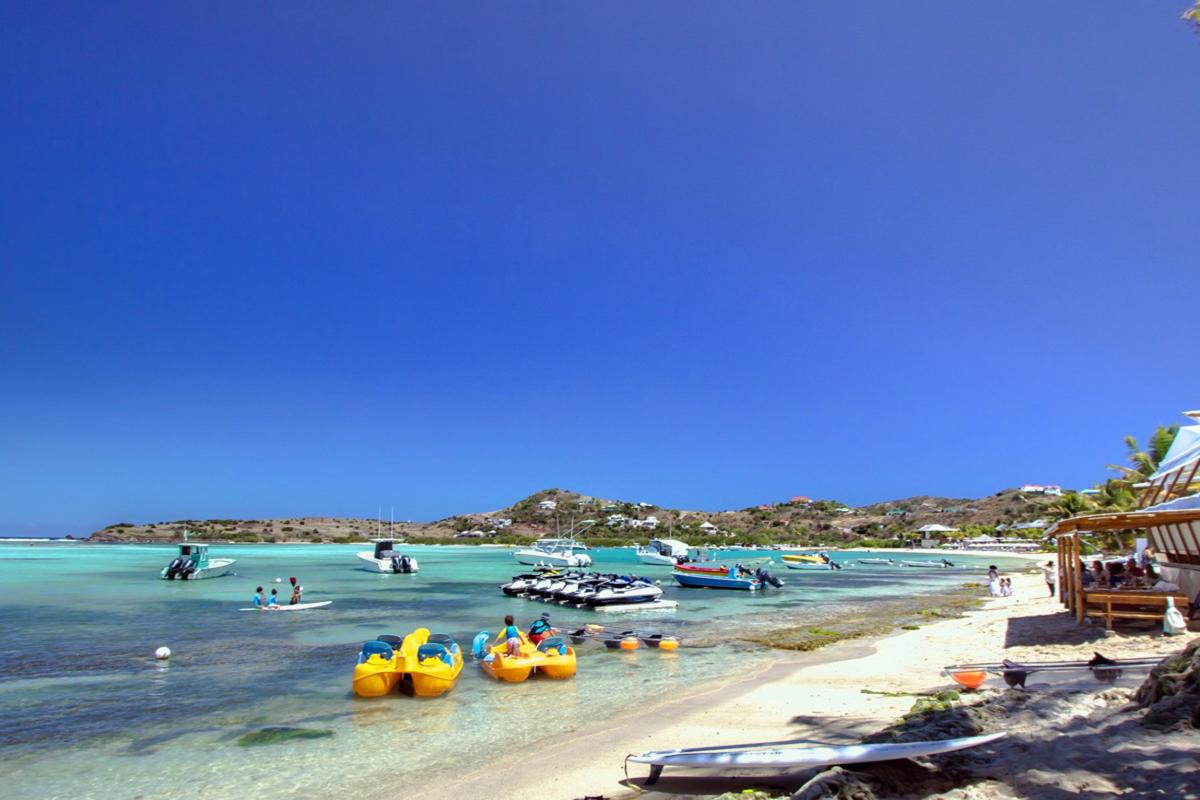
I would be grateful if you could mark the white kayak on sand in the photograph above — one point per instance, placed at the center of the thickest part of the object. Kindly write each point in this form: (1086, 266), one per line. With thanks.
(296, 607)
(801, 756)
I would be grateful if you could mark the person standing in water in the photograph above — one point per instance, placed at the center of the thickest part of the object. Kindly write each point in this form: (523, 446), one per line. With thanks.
(297, 591)
(511, 636)
(540, 628)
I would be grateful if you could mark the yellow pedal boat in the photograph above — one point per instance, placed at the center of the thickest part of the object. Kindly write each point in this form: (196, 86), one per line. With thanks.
(552, 657)
(432, 663)
(422, 664)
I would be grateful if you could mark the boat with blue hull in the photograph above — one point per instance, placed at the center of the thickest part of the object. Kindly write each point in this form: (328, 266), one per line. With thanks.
(749, 583)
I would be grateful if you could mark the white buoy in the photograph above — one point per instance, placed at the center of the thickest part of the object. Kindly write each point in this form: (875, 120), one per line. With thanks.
(162, 653)
(278, 580)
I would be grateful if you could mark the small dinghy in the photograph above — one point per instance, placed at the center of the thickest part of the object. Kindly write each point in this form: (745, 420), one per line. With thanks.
(789, 756)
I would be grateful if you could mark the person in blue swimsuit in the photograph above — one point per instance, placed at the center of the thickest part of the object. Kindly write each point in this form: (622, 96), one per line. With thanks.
(511, 637)
(273, 602)
(260, 599)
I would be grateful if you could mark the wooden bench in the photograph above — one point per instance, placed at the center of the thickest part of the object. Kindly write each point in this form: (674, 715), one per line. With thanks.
(1129, 604)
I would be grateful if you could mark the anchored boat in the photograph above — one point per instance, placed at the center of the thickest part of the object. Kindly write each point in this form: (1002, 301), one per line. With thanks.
(555, 553)
(193, 563)
(662, 552)
(820, 561)
(385, 558)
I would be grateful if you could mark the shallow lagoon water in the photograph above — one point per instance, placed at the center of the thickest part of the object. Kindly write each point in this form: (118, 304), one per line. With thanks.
(85, 710)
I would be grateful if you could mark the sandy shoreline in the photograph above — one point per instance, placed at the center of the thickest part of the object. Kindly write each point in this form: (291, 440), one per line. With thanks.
(816, 696)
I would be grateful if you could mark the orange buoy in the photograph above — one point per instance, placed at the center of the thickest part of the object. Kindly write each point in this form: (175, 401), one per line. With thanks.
(630, 643)
(969, 680)
(668, 643)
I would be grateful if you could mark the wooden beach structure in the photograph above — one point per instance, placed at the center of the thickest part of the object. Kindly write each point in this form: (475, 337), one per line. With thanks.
(1169, 516)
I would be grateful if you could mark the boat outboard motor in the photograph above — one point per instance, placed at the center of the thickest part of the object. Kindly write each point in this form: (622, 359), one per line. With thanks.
(405, 564)
(395, 563)
(766, 578)
(187, 570)
(946, 563)
(174, 568)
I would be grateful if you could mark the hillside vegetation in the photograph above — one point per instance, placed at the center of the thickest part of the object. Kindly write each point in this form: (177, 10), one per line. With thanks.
(600, 521)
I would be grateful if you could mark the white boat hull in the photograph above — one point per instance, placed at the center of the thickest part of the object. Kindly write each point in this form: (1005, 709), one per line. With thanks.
(537, 557)
(296, 607)
(807, 756)
(371, 564)
(807, 565)
(656, 559)
(216, 568)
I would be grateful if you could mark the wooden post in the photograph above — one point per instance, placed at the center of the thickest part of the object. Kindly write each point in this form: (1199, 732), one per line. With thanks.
(1077, 570)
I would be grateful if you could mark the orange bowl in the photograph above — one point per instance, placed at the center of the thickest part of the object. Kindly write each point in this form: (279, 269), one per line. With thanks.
(969, 680)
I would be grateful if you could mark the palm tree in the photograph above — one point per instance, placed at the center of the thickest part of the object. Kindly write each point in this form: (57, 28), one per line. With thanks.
(1072, 504)
(1145, 462)
(1117, 495)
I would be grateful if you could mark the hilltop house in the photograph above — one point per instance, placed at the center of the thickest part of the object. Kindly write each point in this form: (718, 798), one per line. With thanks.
(498, 523)
(707, 527)
(896, 512)
(547, 505)
(616, 520)
(650, 523)
(1035, 488)
(801, 500)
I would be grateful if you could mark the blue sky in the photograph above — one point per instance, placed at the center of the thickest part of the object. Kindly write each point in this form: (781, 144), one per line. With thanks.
(278, 261)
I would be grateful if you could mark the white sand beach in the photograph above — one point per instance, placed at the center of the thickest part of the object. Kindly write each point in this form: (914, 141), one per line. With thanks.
(818, 696)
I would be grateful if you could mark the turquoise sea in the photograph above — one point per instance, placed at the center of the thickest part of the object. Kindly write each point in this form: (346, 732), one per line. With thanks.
(87, 712)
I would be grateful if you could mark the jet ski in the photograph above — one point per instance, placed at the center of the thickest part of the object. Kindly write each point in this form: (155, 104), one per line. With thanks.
(625, 592)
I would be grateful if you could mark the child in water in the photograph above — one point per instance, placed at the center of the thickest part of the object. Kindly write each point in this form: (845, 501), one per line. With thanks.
(260, 599)
(273, 602)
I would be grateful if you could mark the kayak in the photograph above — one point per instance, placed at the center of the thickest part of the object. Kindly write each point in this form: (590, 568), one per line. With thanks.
(972, 676)
(787, 756)
(296, 607)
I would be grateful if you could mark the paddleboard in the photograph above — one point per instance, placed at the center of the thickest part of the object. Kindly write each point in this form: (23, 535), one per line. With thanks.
(808, 756)
(297, 607)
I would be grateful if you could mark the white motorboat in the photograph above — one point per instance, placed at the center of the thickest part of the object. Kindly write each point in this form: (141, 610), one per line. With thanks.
(385, 558)
(927, 564)
(554, 553)
(193, 563)
(884, 561)
(662, 552)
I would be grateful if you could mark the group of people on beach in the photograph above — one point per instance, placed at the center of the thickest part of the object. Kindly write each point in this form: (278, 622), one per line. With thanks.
(511, 634)
(997, 586)
(264, 603)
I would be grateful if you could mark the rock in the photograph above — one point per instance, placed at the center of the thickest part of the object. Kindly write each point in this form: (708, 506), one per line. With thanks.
(276, 735)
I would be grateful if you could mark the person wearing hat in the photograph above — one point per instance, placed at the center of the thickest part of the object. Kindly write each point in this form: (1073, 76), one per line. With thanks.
(540, 628)
(297, 590)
